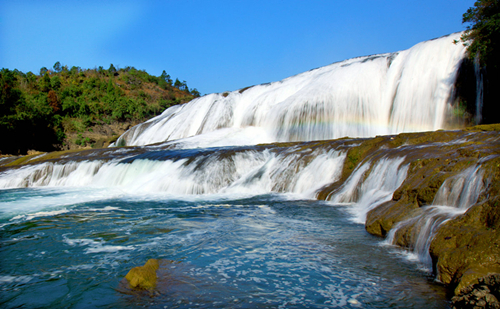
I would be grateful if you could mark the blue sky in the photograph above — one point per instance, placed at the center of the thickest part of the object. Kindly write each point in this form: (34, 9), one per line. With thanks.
(216, 46)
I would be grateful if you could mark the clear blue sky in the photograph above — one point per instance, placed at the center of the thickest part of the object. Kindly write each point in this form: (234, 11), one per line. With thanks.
(216, 45)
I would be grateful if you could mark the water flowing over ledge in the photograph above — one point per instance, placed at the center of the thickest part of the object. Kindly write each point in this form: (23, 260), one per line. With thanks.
(406, 91)
(409, 187)
(247, 170)
(455, 196)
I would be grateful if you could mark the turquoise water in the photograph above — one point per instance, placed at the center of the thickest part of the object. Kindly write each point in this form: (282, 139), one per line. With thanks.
(71, 248)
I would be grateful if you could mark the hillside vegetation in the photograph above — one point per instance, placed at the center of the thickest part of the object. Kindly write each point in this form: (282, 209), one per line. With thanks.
(76, 108)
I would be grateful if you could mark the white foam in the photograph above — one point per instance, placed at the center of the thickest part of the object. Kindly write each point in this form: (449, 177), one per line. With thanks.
(362, 97)
(362, 195)
(6, 279)
(50, 201)
(243, 173)
(40, 214)
(94, 246)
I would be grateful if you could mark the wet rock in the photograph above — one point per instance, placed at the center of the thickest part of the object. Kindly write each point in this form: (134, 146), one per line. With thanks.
(380, 220)
(427, 172)
(465, 249)
(484, 294)
(143, 277)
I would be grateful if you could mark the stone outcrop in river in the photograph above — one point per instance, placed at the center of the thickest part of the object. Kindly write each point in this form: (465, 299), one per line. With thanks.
(143, 277)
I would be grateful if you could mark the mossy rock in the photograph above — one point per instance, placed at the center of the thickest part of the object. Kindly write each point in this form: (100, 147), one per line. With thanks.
(144, 277)
(7, 159)
(29, 159)
(465, 248)
(20, 160)
(483, 294)
(356, 155)
(425, 177)
(485, 127)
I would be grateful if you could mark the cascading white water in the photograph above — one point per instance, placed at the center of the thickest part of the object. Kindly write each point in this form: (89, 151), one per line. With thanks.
(454, 197)
(385, 177)
(250, 171)
(374, 95)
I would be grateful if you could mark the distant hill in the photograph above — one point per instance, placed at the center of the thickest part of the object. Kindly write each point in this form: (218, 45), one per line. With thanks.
(72, 108)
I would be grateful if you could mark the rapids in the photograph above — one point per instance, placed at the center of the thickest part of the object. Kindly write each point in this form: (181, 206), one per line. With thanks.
(233, 226)
(455, 196)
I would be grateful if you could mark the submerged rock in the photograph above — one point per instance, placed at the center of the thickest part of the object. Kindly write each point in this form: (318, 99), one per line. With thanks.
(143, 277)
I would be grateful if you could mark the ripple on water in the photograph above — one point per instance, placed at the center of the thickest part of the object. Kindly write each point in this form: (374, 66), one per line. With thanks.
(245, 253)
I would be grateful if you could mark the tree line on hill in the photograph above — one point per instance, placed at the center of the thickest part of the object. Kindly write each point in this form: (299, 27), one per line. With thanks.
(41, 111)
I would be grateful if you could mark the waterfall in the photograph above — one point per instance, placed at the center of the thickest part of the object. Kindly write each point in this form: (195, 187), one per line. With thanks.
(362, 194)
(226, 192)
(455, 196)
(178, 172)
(405, 91)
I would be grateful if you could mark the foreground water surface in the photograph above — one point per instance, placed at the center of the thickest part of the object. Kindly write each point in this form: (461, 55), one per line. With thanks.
(71, 248)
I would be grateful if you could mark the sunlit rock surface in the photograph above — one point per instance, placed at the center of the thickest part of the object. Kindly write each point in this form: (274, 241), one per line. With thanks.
(143, 277)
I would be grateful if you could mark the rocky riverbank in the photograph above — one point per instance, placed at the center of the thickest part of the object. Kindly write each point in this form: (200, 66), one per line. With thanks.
(464, 247)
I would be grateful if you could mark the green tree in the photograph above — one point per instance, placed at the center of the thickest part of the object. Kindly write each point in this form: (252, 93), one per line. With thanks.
(482, 39)
(482, 36)
(9, 94)
(112, 69)
(41, 111)
(184, 86)
(44, 83)
(57, 67)
(26, 121)
(74, 70)
(55, 82)
(43, 70)
(31, 78)
(177, 83)
(166, 77)
(195, 92)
